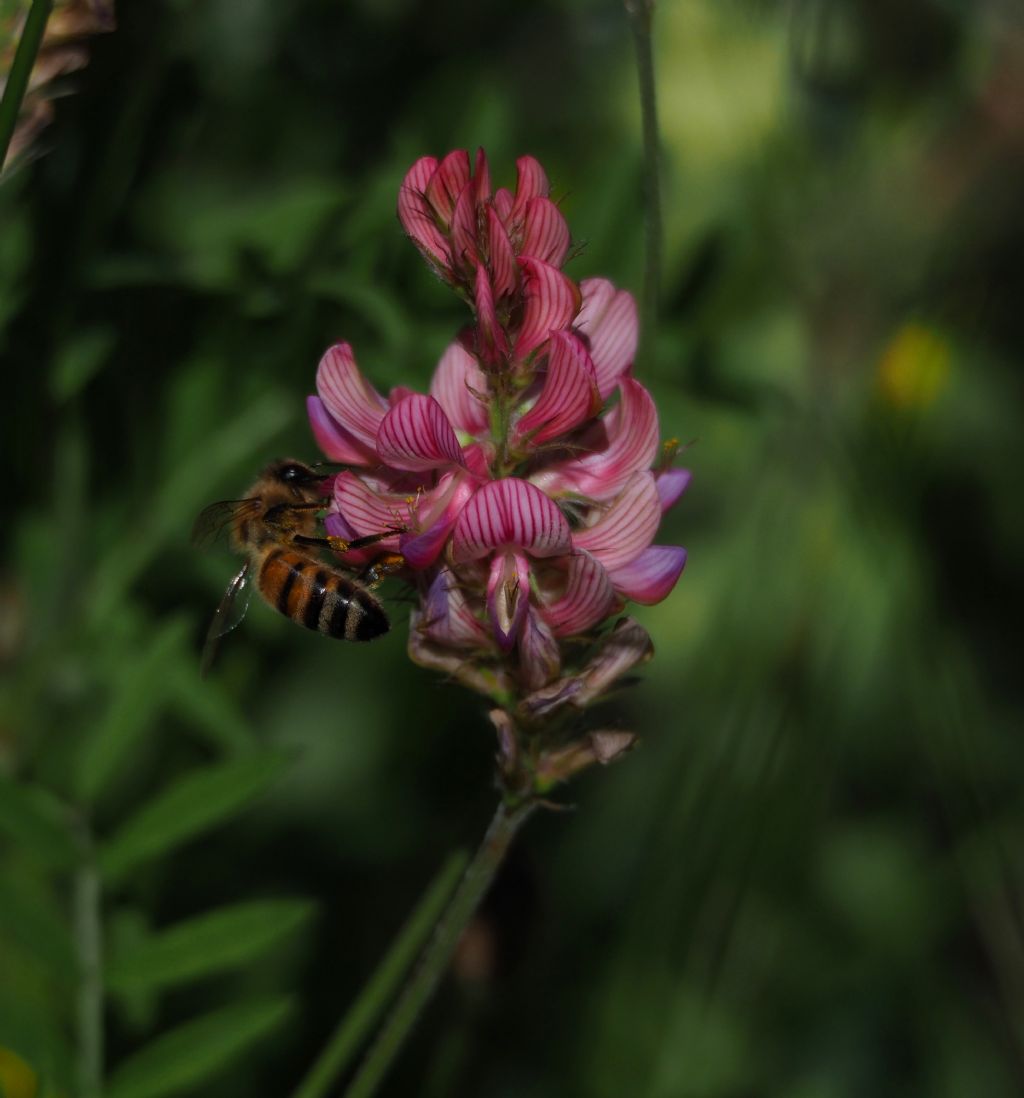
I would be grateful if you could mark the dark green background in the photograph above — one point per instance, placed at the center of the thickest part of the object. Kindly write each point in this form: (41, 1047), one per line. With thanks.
(807, 882)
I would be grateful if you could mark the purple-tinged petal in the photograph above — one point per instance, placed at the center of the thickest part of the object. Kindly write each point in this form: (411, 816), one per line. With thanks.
(588, 599)
(608, 320)
(348, 396)
(447, 617)
(652, 575)
(415, 213)
(334, 441)
(551, 301)
(530, 182)
(369, 512)
(415, 435)
(629, 443)
(465, 255)
(435, 516)
(569, 396)
(491, 344)
(508, 596)
(671, 484)
(336, 527)
(482, 177)
(504, 272)
(460, 387)
(539, 657)
(625, 530)
(445, 185)
(545, 233)
(510, 512)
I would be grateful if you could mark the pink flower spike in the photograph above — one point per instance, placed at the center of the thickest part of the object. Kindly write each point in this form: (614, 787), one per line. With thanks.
(551, 301)
(539, 657)
(569, 396)
(334, 441)
(530, 182)
(671, 484)
(508, 595)
(492, 346)
(369, 512)
(625, 530)
(446, 184)
(652, 575)
(460, 387)
(504, 272)
(588, 597)
(510, 512)
(608, 320)
(435, 516)
(545, 233)
(415, 213)
(416, 436)
(348, 396)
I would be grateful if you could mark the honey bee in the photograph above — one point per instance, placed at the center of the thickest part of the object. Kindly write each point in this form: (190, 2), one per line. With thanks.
(275, 525)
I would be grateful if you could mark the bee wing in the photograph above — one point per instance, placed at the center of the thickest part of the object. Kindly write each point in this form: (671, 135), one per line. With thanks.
(229, 613)
(215, 519)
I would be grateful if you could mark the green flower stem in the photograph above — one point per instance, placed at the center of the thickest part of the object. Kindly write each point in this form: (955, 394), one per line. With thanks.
(374, 997)
(472, 888)
(21, 69)
(89, 948)
(641, 18)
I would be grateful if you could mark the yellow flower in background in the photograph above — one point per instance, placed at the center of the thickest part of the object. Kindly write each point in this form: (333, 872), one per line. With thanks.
(17, 1079)
(914, 368)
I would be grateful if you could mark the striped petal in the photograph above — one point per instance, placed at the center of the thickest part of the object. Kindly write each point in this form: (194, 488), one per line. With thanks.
(510, 512)
(539, 657)
(569, 396)
(530, 182)
(415, 435)
(508, 596)
(367, 511)
(481, 177)
(434, 518)
(465, 255)
(608, 320)
(628, 442)
(671, 484)
(625, 530)
(460, 387)
(348, 396)
(334, 441)
(545, 233)
(502, 202)
(551, 300)
(504, 272)
(652, 575)
(447, 617)
(445, 185)
(416, 215)
(589, 597)
(491, 343)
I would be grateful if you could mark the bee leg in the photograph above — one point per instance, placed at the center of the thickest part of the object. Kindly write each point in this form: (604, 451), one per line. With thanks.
(341, 545)
(385, 565)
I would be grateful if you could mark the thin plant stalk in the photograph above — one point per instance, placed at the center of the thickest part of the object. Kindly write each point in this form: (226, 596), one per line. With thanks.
(476, 881)
(373, 999)
(641, 18)
(21, 70)
(88, 936)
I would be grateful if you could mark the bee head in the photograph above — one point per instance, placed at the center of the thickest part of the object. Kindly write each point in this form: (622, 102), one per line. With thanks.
(298, 478)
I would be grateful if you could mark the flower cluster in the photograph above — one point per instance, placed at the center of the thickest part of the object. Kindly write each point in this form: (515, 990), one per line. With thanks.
(525, 483)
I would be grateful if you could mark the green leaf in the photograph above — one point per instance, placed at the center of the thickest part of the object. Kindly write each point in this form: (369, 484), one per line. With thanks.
(192, 1052)
(206, 704)
(194, 803)
(214, 942)
(36, 821)
(35, 928)
(77, 362)
(140, 692)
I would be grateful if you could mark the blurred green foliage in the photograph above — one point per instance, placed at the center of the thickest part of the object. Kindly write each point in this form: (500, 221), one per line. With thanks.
(808, 882)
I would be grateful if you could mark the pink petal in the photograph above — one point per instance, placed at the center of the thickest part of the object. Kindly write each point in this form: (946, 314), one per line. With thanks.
(551, 301)
(625, 530)
(334, 441)
(588, 599)
(510, 512)
(531, 182)
(652, 575)
(464, 229)
(434, 518)
(569, 396)
(445, 185)
(503, 203)
(608, 320)
(415, 213)
(460, 387)
(482, 177)
(545, 233)
(348, 396)
(671, 484)
(447, 616)
(629, 444)
(504, 272)
(416, 435)
(369, 512)
(539, 657)
(491, 344)
(508, 595)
